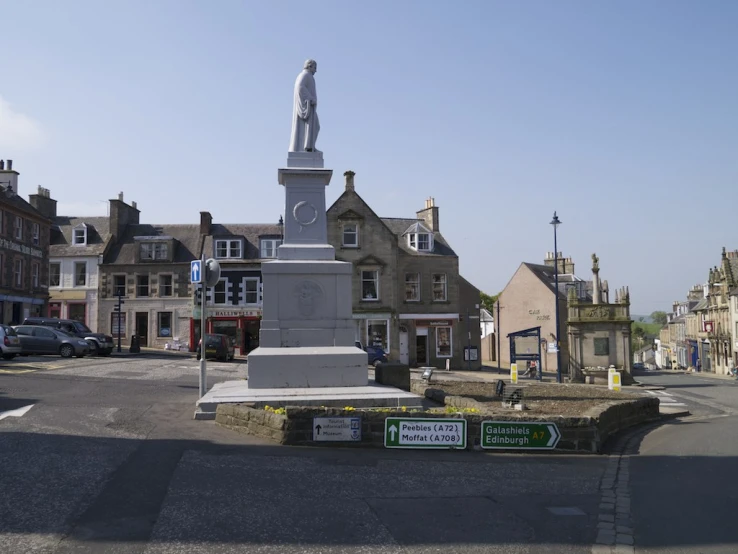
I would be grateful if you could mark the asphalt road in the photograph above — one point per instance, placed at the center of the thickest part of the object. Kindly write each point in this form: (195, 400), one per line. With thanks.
(109, 459)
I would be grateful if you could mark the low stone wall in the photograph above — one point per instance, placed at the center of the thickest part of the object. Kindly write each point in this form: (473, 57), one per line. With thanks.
(586, 433)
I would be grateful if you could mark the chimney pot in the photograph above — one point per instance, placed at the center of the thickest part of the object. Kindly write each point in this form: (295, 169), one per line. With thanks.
(133, 204)
(2, 164)
(120, 196)
(10, 165)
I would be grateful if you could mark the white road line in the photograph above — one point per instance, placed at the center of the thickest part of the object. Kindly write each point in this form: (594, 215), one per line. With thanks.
(18, 412)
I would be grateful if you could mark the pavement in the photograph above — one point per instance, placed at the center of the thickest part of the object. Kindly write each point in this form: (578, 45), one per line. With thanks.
(108, 459)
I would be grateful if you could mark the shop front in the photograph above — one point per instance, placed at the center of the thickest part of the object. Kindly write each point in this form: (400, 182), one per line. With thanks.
(242, 325)
(429, 340)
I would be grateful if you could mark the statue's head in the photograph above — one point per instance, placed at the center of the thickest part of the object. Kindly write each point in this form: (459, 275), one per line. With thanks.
(311, 66)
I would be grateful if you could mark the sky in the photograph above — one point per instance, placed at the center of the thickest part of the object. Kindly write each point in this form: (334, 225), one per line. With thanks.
(621, 116)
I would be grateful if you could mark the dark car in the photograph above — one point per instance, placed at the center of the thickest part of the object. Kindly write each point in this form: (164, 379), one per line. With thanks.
(36, 339)
(376, 354)
(99, 343)
(217, 346)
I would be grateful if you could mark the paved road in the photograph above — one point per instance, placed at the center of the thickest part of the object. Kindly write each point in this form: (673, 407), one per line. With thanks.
(109, 459)
(683, 485)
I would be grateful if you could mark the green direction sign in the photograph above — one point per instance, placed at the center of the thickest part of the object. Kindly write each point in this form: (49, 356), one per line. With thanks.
(415, 432)
(520, 435)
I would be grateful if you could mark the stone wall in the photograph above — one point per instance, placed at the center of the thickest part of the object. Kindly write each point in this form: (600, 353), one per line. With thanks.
(586, 433)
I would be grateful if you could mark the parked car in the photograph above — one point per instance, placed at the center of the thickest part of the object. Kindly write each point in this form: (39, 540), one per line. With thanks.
(10, 345)
(220, 347)
(36, 339)
(639, 365)
(376, 354)
(100, 343)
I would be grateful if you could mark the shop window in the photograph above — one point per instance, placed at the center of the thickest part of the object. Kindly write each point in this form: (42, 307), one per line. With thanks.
(119, 285)
(77, 312)
(164, 324)
(412, 287)
(377, 331)
(439, 287)
(55, 309)
(443, 342)
(350, 235)
(54, 274)
(142, 285)
(80, 274)
(116, 329)
(165, 285)
(370, 285)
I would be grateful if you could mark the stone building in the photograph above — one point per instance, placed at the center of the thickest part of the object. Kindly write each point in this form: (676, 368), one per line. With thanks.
(734, 323)
(717, 344)
(24, 252)
(408, 296)
(77, 248)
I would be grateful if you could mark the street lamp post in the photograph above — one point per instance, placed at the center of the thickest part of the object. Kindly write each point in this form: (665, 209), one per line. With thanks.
(556, 222)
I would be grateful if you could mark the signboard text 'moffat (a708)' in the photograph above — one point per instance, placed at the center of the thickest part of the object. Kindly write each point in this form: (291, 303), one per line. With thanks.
(424, 433)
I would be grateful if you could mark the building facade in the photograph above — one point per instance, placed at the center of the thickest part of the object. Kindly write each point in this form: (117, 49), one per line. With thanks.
(408, 296)
(24, 252)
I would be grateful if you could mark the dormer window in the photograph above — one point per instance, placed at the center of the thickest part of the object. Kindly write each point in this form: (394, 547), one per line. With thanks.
(79, 235)
(154, 251)
(420, 238)
(269, 247)
(350, 237)
(229, 248)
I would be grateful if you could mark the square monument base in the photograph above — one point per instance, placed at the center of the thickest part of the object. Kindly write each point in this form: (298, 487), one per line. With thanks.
(307, 367)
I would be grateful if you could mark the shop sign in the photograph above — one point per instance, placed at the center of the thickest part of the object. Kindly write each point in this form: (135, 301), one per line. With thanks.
(22, 248)
(234, 313)
(434, 322)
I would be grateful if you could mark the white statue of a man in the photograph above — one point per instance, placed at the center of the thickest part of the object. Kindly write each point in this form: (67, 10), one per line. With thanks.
(305, 124)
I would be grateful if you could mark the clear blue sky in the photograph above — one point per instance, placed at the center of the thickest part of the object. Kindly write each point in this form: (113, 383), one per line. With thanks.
(620, 115)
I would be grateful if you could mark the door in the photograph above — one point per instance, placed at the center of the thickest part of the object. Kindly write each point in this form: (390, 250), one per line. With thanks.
(142, 327)
(45, 341)
(421, 350)
(404, 346)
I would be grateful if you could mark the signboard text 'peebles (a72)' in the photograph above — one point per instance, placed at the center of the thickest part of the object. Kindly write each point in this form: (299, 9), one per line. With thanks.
(424, 433)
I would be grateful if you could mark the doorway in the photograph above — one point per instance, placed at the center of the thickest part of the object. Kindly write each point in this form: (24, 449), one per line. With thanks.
(142, 327)
(421, 350)
(404, 346)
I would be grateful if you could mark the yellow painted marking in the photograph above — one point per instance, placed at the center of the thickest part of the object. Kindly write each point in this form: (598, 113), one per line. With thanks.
(17, 370)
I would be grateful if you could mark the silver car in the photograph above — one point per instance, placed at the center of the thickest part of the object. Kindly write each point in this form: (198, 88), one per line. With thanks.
(36, 339)
(10, 345)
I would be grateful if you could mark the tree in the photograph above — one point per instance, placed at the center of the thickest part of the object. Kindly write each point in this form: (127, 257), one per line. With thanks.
(659, 317)
(488, 302)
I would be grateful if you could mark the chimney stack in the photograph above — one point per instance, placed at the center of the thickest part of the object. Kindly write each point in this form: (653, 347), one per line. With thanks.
(350, 180)
(206, 220)
(43, 202)
(10, 165)
(8, 177)
(2, 165)
(429, 214)
(122, 215)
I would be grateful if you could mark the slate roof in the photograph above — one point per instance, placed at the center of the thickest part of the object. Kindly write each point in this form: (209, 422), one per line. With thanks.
(701, 305)
(186, 244)
(62, 229)
(400, 225)
(21, 205)
(251, 232)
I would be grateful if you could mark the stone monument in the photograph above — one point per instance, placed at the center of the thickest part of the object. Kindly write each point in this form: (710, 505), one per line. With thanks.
(307, 332)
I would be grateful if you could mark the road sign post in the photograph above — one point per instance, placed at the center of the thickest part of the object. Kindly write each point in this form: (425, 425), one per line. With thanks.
(413, 432)
(203, 323)
(519, 435)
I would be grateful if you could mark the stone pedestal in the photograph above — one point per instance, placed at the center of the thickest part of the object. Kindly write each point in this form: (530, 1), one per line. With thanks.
(307, 332)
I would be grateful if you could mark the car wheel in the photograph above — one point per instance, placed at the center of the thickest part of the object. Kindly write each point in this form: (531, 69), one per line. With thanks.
(66, 351)
(94, 350)
(8, 356)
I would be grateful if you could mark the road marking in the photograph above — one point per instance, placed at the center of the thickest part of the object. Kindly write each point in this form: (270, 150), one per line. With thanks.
(18, 412)
(16, 371)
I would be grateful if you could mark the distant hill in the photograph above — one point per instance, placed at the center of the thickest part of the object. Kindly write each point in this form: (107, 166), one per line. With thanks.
(646, 318)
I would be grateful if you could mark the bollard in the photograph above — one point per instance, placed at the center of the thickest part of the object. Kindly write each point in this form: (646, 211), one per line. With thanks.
(514, 374)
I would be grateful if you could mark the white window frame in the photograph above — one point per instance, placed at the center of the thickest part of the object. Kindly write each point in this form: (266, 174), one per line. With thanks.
(18, 228)
(374, 279)
(58, 275)
(74, 275)
(229, 248)
(269, 244)
(245, 293)
(445, 287)
(139, 285)
(414, 241)
(83, 242)
(18, 273)
(345, 231)
(35, 269)
(36, 234)
(409, 283)
(450, 342)
(161, 285)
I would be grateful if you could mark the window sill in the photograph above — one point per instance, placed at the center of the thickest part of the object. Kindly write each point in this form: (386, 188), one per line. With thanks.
(350, 247)
(370, 299)
(441, 302)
